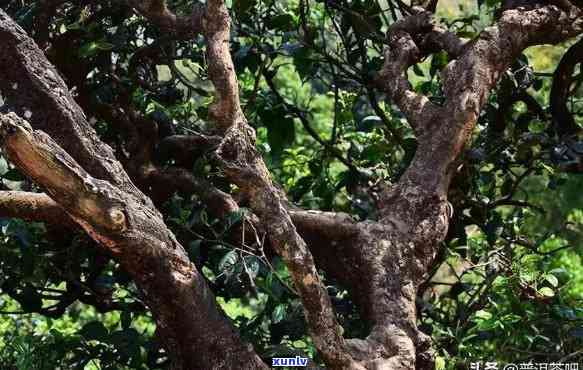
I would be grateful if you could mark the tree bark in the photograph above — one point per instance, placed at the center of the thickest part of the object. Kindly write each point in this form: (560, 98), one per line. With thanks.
(82, 175)
(382, 263)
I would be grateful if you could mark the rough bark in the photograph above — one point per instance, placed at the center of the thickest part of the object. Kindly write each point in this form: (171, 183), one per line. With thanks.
(32, 207)
(82, 175)
(158, 13)
(416, 208)
(382, 263)
(244, 166)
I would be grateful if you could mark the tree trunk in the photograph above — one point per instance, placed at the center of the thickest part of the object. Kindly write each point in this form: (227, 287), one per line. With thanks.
(83, 176)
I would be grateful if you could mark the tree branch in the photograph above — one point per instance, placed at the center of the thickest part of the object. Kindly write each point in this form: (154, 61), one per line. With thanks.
(467, 82)
(185, 149)
(563, 120)
(245, 167)
(399, 56)
(178, 179)
(84, 197)
(157, 12)
(335, 226)
(113, 211)
(32, 207)
(31, 87)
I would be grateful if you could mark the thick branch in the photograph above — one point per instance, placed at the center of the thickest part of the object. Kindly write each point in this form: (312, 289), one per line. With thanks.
(109, 207)
(185, 149)
(174, 179)
(415, 210)
(401, 54)
(245, 167)
(330, 225)
(467, 82)
(226, 109)
(562, 79)
(84, 197)
(157, 12)
(134, 235)
(32, 207)
(31, 87)
(441, 39)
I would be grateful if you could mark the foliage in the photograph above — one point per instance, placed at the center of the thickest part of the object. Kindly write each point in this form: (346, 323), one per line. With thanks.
(508, 284)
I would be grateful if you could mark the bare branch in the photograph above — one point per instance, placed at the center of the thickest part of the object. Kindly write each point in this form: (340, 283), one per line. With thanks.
(185, 149)
(32, 207)
(330, 225)
(441, 39)
(226, 110)
(401, 54)
(174, 179)
(84, 197)
(157, 12)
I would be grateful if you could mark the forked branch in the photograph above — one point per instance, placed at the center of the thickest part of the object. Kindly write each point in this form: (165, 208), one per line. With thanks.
(244, 166)
(401, 54)
(157, 12)
(87, 199)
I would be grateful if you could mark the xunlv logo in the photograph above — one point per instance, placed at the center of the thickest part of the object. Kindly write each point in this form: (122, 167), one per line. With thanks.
(289, 361)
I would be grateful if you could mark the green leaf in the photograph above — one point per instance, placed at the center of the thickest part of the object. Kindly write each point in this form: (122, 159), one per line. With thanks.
(304, 62)
(126, 319)
(546, 292)
(94, 330)
(483, 315)
(242, 6)
(228, 261)
(552, 279)
(93, 48)
(282, 22)
(511, 318)
(281, 131)
(438, 62)
(279, 313)
(13, 175)
(440, 363)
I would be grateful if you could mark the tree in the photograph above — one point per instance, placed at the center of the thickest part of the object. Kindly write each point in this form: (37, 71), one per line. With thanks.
(119, 197)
